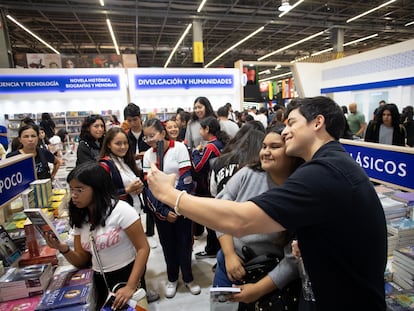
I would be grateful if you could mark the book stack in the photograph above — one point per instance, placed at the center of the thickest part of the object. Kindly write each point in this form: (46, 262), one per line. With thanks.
(70, 290)
(25, 282)
(42, 189)
(400, 233)
(405, 197)
(402, 300)
(403, 267)
(28, 198)
(393, 208)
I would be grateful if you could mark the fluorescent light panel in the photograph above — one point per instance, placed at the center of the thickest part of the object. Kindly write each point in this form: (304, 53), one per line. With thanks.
(291, 45)
(178, 43)
(201, 6)
(108, 22)
(408, 24)
(32, 34)
(291, 8)
(370, 11)
(235, 45)
(102, 2)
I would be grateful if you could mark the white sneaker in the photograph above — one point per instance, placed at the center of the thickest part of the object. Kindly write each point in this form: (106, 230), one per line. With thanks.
(171, 289)
(194, 289)
(152, 242)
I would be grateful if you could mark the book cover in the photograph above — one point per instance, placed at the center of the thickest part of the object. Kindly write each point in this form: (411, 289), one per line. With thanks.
(110, 301)
(65, 297)
(31, 238)
(407, 251)
(401, 300)
(9, 252)
(30, 276)
(406, 197)
(219, 301)
(29, 303)
(71, 278)
(42, 223)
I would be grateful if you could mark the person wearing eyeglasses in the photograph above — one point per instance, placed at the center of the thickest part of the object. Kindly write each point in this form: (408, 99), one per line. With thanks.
(95, 211)
(91, 135)
(175, 232)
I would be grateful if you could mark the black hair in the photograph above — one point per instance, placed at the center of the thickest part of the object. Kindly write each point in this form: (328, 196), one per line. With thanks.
(93, 175)
(214, 129)
(132, 110)
(27, 120)
(185, 116)
(87, 122)
(407, 114)
(62, 134)
(46, 116)
(206, 103)
(28, 126)
(311, 107)
(129, 157)
(395, 115)
(223, 111)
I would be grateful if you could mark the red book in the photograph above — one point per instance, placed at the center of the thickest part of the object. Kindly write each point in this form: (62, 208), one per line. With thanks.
(31, 238)
(46, 255)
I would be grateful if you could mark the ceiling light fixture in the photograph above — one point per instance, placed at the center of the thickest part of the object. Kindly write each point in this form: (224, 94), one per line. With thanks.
(285, 6)
(274, 77)
(264, 72)
(235, 45)
(201, 6)
(370, 11)
(108, 22)
(32, 34)
(408, 24)
(102, 2)
(291, 45)
(178, 43)
(290, 7)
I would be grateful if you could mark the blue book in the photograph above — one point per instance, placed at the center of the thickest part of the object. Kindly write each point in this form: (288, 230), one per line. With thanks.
(68, 296)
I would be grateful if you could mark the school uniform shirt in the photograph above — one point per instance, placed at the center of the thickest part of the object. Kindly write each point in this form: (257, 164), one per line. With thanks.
(176, 161)
(114, 247)
(332, 206)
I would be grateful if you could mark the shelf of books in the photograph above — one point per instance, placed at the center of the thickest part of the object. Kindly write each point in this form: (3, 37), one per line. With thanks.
(69, 120)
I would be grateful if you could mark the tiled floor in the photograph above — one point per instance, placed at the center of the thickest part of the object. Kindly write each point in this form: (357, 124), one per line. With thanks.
(156, 277)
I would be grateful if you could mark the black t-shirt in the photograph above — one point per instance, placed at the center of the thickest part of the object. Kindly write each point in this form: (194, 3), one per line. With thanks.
(340, 224)
(43, 157)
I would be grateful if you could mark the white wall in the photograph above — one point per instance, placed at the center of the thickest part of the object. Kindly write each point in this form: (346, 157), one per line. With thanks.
(375, 67)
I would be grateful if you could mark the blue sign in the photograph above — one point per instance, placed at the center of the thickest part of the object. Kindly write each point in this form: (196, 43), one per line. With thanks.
(15, 178)
(57, 83)
(389, 166)
(182, 81)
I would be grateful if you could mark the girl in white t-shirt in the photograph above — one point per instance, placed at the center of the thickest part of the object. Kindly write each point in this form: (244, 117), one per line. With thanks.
(116, 227)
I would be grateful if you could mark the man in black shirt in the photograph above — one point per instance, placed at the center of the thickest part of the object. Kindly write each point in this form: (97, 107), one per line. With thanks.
(329, 202)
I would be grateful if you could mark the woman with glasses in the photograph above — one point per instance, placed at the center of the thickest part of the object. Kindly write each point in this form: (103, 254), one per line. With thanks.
(91, 135)
(29, 137)
(174, 231)
(115, 226)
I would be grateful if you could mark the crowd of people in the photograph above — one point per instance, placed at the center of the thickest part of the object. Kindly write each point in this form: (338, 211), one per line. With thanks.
(256, 181)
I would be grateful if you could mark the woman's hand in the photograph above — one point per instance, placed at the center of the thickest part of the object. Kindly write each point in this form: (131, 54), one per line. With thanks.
(52, 242)
(122, 296)
(136, 187)
(234, 267)
(172, 217)
(248, 293)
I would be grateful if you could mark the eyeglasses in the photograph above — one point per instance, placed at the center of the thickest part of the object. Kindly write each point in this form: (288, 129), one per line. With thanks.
(77, 191)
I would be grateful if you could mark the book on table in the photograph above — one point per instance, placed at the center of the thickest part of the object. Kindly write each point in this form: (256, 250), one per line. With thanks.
(67, 296)
(219, 300)
(9, 252)
(25, 282)
(29, 303)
